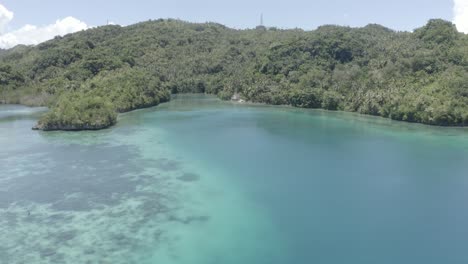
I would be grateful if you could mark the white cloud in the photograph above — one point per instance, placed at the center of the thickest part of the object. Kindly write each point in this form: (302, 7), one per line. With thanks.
(460, 15)
(31, 34)
(5, 17)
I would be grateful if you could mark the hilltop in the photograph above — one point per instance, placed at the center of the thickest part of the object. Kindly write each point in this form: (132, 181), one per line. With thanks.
(86, 78)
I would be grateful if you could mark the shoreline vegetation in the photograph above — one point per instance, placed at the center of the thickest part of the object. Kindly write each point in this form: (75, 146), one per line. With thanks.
(87, 78)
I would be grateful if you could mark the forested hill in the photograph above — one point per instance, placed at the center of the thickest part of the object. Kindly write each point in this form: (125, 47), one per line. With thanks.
(89, 76)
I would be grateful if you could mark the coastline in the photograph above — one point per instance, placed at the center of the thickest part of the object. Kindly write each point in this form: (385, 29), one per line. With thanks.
(240, 102)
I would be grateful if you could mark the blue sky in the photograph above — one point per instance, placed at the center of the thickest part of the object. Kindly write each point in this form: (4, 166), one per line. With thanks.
(396, 14)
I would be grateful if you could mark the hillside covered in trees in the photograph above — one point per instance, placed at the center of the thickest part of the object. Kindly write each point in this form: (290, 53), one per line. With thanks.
(88, 77)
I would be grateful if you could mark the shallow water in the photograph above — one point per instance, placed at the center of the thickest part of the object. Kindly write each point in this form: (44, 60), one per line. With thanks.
(198, 180)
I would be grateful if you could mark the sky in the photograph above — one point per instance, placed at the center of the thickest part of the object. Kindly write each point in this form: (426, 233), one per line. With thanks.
(33, 21)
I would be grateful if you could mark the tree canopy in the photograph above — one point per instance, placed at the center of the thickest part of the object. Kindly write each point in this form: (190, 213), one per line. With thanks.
(86, 76)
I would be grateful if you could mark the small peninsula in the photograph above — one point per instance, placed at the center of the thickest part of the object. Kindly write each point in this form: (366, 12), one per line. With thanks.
(88, 77)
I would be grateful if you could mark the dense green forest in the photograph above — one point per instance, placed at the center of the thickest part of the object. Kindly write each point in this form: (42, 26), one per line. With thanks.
(89, 76)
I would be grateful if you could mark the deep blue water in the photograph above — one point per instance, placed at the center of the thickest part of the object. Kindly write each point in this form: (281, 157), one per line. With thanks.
(198, 180)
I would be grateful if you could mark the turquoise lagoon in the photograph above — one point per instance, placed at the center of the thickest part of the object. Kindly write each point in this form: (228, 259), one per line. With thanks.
(202, 181)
